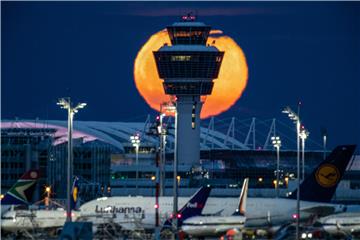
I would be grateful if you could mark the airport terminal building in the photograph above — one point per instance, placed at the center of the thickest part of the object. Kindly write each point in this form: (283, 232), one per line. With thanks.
(105, 160)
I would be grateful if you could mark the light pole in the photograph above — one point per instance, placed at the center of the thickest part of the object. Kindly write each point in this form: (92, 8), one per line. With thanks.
(135, 140)
(162, 135)
(303, 135)
(296, 118)
(65, 103)
(277, 144)
(175, 183)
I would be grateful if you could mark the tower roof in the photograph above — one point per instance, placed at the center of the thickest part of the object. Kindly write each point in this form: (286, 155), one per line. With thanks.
(188, 48)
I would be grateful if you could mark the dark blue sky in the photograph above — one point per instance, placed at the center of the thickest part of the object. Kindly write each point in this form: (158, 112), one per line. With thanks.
(295, 51)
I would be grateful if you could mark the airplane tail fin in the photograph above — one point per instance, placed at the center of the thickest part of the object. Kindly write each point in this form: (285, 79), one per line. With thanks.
(74, 193)
(241, 209)
(192, 208)
(23, 190)
(321, 185)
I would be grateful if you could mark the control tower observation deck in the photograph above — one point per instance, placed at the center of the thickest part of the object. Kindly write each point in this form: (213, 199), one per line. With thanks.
(188, 68)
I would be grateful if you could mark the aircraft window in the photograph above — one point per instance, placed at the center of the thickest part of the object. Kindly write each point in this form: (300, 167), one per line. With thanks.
(10, 218)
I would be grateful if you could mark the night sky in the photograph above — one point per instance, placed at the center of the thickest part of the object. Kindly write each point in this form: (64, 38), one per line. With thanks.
(295, 51)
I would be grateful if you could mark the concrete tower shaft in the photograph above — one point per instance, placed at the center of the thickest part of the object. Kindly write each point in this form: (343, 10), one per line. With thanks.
(188, 68)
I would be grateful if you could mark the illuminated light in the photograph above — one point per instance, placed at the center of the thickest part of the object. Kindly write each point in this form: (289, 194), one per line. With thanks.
(47, 189)
(178, 215)
(294, 216)
(287, 180)
(303, 235)
(274, 182)
(260, 179)
(229, 85)
(309, 235)
(2, 196)
(153, 178)
(156, 206)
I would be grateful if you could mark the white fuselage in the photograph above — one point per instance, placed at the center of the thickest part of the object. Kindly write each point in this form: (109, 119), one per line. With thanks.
(132, 212)
(277, 211)
(212, 225)
(348, 223)
(259, 211)
(15, 220)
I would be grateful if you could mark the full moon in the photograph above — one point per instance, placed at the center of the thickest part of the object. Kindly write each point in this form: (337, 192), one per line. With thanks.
(228, 87)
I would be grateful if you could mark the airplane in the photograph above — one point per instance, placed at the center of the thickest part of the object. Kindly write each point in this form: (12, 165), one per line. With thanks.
(261, 212)
(22, 220)
(130, 216)
(21, 193)
(342, 224)
(316, 192)
(216, 225)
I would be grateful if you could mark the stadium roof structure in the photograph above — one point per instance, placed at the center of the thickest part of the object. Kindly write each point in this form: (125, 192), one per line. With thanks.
(118, 134)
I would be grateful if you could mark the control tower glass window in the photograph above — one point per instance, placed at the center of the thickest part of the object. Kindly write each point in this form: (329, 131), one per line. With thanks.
(188, 35)
(204, 65)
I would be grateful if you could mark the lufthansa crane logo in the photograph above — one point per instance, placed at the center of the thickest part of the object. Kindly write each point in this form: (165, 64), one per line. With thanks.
(327, 175)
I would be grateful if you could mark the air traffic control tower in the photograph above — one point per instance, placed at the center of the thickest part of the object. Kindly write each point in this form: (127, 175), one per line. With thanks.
(188, 68)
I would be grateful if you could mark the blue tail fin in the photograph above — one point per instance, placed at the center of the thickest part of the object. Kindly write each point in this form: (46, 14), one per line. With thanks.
(74, 193)
(321, 185)
(192, 208)
(241, 209)
(21, 193)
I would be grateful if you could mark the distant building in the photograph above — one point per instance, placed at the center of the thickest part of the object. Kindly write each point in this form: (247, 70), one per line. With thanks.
(27, 146)
(104, 156)
(21, 150)
(91, 162)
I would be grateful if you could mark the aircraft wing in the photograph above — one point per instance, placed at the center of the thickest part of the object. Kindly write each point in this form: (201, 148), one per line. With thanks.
(319, 210)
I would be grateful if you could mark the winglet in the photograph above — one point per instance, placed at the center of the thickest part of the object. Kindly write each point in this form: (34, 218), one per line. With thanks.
(241, 209)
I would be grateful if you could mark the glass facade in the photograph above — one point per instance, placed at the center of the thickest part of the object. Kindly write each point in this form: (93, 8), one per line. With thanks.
(188, 34)
(203, 65)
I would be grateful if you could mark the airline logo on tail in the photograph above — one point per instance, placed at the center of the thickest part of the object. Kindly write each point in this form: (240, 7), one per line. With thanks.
(327, 175)
(22, 191)
(75, 192)
(194, 205)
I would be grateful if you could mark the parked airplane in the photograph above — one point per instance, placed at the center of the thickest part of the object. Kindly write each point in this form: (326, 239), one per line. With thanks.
(316, 192)
(261, 212)
(21, 193)
(342, 224)
(22, 220)
(216, 225)
(134, 214)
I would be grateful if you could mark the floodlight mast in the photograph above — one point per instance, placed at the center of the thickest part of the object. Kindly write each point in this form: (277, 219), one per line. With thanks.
(277, 144)
(295, 117)
(65, 103)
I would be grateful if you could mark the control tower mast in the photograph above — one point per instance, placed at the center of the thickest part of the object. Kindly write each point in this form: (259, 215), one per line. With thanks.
(188, 68)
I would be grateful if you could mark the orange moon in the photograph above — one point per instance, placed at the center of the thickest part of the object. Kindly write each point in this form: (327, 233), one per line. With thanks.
(228, 87)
